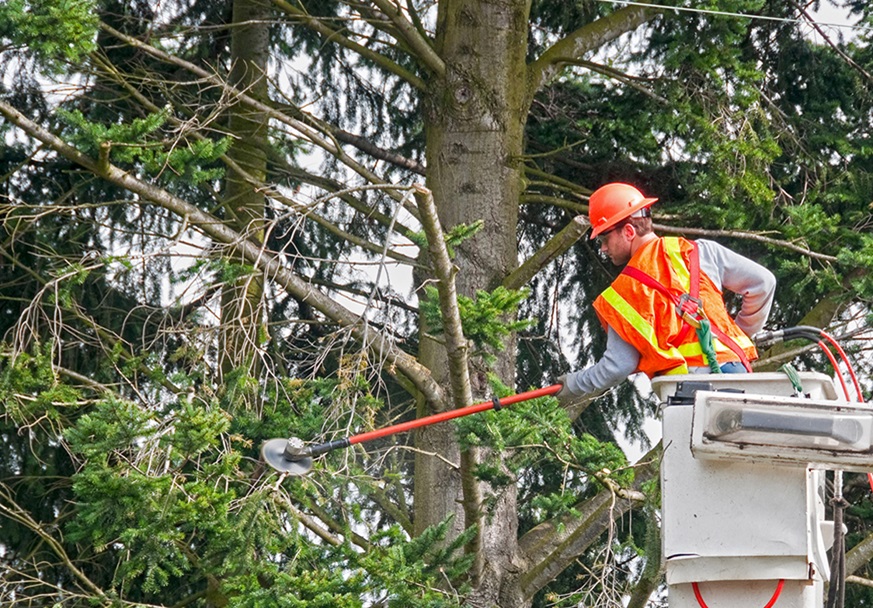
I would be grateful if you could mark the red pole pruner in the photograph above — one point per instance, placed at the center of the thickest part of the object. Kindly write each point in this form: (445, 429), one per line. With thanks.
(294, 457)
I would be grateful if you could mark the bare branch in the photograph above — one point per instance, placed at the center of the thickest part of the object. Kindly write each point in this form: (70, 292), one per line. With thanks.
(418, 43)
(625, 79)
(747, 236)
(331, 35)
(10, 509)
(312, 129)
(849, 61)
(455, 342)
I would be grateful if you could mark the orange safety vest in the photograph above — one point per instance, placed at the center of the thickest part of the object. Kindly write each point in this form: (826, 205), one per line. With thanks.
(642, 306)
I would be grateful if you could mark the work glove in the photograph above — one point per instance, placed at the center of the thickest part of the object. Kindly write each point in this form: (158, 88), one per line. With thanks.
(564, 394)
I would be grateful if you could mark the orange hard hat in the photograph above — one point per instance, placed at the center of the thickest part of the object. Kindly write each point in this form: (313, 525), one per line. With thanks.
(610, 204)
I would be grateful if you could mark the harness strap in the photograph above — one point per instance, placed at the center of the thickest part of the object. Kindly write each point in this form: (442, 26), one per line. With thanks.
(689, 306)
(694, 292)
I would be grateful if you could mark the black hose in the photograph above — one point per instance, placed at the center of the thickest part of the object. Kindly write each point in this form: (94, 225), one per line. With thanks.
(837, 587)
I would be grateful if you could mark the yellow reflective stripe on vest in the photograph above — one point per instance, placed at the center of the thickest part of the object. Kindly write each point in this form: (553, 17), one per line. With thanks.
(743, 341)
(674, 252)
(693, 349)
(644, 328)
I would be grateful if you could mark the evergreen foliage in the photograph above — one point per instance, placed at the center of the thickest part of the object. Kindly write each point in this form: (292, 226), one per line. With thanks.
(130, 471)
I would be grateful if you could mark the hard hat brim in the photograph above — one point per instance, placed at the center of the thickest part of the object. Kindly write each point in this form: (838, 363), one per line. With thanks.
(624, 213)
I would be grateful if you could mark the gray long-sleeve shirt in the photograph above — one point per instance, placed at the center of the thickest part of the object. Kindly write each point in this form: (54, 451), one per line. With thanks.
(729, 271)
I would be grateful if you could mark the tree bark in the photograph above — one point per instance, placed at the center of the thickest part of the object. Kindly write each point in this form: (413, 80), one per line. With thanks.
(476, 113)
(241, 301)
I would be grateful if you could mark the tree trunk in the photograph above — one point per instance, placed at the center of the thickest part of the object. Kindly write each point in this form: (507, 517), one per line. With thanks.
(242, 308)
(474, 143)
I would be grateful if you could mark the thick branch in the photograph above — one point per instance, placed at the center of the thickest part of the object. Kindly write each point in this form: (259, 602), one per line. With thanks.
(858, 580)
(586, 38)
(455, 342)
(555, 247)
(271, 265)
(860, 555)
(331, 35)
(553, 545)
(420, 45)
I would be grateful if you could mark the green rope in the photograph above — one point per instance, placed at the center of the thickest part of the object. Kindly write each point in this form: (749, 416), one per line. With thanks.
(704, 336)
(793, 376)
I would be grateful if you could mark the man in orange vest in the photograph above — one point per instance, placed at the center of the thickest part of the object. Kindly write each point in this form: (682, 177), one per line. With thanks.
(665, 313)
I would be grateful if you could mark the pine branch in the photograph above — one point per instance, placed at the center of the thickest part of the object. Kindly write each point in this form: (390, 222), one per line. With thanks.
(271, 265)
(312, 130)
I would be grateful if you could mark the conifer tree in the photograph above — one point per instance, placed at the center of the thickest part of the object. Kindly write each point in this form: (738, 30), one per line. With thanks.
(225, 222)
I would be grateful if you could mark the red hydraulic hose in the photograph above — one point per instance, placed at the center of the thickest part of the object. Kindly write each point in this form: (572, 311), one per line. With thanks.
(852, 375)
(836, 367)
(456, 413)
(769, 604)
(851, 369)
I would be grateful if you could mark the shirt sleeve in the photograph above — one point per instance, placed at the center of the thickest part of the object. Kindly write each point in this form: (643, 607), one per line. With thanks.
(732, 271)
(618, 362)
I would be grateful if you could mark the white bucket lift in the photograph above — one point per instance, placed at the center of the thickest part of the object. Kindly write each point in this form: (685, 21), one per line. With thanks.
(742, 486)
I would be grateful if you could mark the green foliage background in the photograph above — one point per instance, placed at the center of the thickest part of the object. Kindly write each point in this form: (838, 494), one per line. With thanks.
(130, 471)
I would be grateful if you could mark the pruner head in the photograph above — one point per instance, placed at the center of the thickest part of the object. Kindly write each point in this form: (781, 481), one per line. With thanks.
(289, 456)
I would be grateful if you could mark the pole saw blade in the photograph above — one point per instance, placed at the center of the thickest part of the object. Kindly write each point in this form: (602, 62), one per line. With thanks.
(287, 456)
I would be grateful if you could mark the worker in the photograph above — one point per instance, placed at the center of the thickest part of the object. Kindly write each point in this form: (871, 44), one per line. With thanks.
(665, 314)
